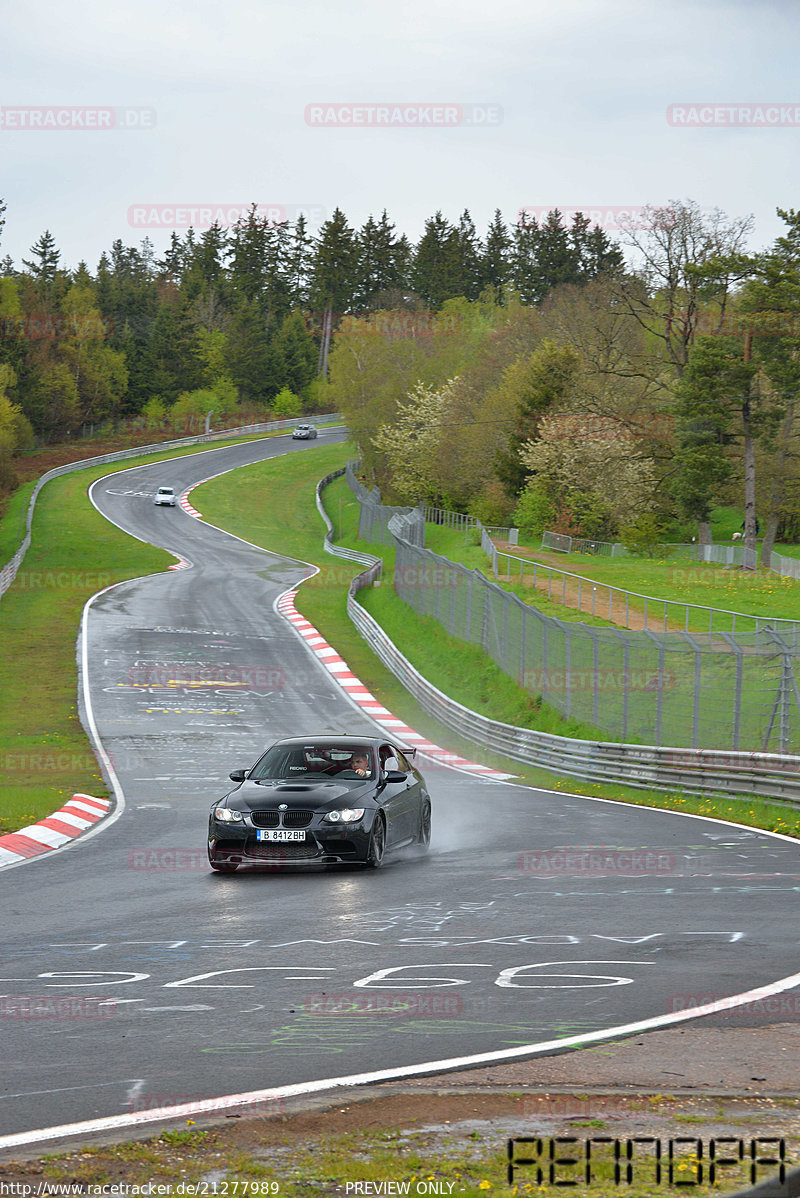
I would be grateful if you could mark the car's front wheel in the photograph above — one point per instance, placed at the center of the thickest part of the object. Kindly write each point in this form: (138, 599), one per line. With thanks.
(377, 844)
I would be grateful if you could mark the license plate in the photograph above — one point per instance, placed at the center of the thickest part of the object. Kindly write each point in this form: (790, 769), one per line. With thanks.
(281, 834)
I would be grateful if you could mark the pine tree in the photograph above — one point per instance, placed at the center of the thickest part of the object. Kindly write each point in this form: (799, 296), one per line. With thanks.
(247, 245)
(171, 265)
(333, 277)
(298, 263)
(44, 268)
(250, 365)
(201, 267)
(380, 262)
(298, 352)
(169, 354)
(496, 265)
(468, 281)
(436, 272)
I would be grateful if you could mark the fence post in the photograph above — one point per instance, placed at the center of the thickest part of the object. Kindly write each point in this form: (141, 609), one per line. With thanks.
(568, 670)
(660, 697)
(626, 676)
(698, 664)
(545, 667)
(506, 606)
(468, 629)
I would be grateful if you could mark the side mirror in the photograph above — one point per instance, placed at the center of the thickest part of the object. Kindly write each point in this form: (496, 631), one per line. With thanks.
(237, 775)
(395, 776)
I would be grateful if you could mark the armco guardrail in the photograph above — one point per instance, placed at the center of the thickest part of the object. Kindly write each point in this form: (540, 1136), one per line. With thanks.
(693, 771)
(9, 570)
(351, 555)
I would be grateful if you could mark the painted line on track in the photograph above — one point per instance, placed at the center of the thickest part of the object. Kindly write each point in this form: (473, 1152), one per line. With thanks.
(301, 1089)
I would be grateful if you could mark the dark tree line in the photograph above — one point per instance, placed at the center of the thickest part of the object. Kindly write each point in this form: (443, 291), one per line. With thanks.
(239, 316)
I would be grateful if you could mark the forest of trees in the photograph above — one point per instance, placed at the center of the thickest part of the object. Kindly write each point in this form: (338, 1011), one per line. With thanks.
(620, 404)
(234, 317)
(532, 374)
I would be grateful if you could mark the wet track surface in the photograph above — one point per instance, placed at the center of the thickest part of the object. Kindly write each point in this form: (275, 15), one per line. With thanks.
(215, 984)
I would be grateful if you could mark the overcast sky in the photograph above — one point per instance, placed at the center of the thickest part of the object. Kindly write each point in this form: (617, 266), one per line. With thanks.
(522, 104)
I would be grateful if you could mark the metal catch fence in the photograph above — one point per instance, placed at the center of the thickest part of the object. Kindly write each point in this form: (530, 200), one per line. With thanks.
(684, 688)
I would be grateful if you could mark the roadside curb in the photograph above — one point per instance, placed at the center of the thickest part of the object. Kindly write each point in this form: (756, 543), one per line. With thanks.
(63, 826)
(355, 689)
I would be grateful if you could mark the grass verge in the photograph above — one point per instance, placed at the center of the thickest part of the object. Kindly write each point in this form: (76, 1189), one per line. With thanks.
(726, 588)
(282, 516)
(434, 1144)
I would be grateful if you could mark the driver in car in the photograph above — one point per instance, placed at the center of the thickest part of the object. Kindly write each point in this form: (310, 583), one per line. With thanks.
(360, 764)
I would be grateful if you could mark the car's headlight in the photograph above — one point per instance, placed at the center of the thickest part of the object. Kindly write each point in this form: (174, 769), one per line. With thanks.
(346, 815)
(226, 815)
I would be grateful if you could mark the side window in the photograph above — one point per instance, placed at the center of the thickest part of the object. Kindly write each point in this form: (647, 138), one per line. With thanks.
(390, 753)
(402, 761)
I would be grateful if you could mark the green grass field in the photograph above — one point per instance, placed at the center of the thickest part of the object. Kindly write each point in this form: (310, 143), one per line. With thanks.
(728, 588)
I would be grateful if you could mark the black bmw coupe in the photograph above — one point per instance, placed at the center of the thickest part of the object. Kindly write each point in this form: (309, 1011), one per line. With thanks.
(321, 800)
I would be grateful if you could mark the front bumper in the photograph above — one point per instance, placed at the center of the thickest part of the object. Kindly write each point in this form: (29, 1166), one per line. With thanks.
(324, 844)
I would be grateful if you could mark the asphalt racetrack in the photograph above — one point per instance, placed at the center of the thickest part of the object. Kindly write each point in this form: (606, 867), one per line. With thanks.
(216, 985)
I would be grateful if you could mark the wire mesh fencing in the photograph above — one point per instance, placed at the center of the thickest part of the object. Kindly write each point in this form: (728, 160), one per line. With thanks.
(681, 688)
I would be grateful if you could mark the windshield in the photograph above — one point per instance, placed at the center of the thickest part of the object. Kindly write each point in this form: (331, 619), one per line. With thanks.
(342, 762)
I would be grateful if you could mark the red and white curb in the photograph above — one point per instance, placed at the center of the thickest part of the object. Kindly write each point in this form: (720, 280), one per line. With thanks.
(354, 687)
(181, 564)
(80, 813)
(187, 507)
(184, 499)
